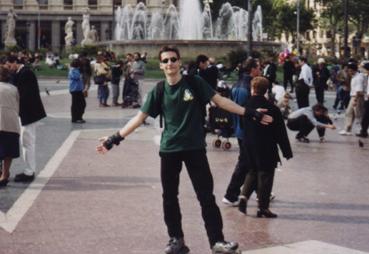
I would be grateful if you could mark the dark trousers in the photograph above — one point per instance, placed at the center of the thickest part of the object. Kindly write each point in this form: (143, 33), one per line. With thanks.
(287, 79)
(238, 177)
(199, 172)
(78, 105)
(319, 93)
(303, 125)
(365, 119)
(262, 181)
(302, 94)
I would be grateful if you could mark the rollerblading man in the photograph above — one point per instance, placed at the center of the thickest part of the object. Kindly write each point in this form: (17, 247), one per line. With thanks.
(183, 142)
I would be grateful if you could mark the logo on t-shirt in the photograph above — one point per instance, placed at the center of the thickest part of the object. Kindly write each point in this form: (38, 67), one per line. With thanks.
(187, 95)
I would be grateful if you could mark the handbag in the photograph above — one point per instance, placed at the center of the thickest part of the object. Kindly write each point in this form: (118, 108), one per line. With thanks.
(99, 80)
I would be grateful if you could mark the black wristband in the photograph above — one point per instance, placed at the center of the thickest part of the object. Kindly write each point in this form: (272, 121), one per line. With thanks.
(114, 139)
(253, 113)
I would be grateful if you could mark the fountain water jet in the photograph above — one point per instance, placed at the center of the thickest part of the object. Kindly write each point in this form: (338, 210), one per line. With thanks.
(191, 29)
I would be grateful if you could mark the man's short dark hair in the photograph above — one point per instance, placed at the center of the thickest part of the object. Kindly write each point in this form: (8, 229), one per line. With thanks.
(353, 66)
(260, 85)
(319, 107)
(4, 74)
(12, 59)
(303, 58)
(169, 49)
(249, 64)
(366, 66)
(201, 59)
(75, 63)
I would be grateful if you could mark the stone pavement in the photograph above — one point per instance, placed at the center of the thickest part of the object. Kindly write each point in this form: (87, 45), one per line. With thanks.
(82, 202)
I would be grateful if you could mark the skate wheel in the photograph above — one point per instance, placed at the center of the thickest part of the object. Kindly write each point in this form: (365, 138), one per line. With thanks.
(226, 145)
(217, 143)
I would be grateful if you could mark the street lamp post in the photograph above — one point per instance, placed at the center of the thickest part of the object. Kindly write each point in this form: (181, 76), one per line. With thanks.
(298, 27)
(113, 22)
(38, 26)
(249, 30)
(345, 39)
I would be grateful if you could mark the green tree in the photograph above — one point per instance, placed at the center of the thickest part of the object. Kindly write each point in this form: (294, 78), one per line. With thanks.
(359, 15)
(285, 20)
(332, 19)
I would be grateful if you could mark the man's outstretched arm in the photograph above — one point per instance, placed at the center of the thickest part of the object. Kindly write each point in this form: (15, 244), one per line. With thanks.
(233, 107)
(108, 142)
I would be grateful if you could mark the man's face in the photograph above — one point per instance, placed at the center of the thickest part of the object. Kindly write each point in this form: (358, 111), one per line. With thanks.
(170, 63)
(204, 65)
(351, 72)
(12, 67)
(255, 72)
(136, 57)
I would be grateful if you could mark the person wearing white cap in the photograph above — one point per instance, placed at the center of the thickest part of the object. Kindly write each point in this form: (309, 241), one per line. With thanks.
(321, 75)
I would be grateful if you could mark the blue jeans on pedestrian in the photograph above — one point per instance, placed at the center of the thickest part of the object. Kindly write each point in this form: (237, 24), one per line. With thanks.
(103, 93)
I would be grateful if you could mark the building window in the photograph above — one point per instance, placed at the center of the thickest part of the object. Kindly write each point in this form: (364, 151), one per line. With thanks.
(92, 4)
(68, 4)
(18, 4)
(44, 4)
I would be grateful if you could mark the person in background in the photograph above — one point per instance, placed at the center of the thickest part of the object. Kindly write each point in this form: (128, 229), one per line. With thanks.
(321, 75)
(288, 71)
(241, 92)
(76, 90)
(86, 71)
(208, 72)
(260, 153)
(365, 120)
(270, 72)
(356, 104)
(116, 74)
(343, 89)
(138, 74)
(102, 72)
(304, 83)
(31, 111)
(9, 125)
(305, 119)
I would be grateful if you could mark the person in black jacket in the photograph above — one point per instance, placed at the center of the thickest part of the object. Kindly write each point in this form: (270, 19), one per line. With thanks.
(288, 71)
(31, 110)
(260, 152)
(321, 75)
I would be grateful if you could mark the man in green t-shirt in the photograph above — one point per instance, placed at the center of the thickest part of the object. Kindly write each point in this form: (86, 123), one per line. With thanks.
(183, 140)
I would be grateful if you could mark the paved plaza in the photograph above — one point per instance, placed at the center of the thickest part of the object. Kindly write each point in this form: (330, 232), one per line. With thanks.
(82, 202)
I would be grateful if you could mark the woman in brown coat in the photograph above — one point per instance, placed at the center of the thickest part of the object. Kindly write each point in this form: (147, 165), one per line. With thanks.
(9, 125)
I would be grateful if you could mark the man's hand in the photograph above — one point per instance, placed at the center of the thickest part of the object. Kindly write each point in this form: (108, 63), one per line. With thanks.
(331, 126)
(266, 119)
(101, 148)
(107, 143)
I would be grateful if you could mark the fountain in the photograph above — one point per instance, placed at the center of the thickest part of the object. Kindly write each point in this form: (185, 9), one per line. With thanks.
(191, 29)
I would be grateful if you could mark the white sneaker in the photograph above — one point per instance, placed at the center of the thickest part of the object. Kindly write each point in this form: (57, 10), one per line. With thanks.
(345, 133)
(230, 203)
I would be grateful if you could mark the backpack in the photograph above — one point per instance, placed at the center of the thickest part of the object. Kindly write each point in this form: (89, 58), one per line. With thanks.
(191, 81)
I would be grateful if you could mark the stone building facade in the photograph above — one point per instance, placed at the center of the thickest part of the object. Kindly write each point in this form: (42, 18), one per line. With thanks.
(40, 23)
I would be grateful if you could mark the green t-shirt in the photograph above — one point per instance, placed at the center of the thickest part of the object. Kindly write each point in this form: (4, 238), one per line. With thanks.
(182, 113)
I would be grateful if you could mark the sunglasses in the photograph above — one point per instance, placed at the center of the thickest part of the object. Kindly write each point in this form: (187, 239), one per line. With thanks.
(172, 60)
